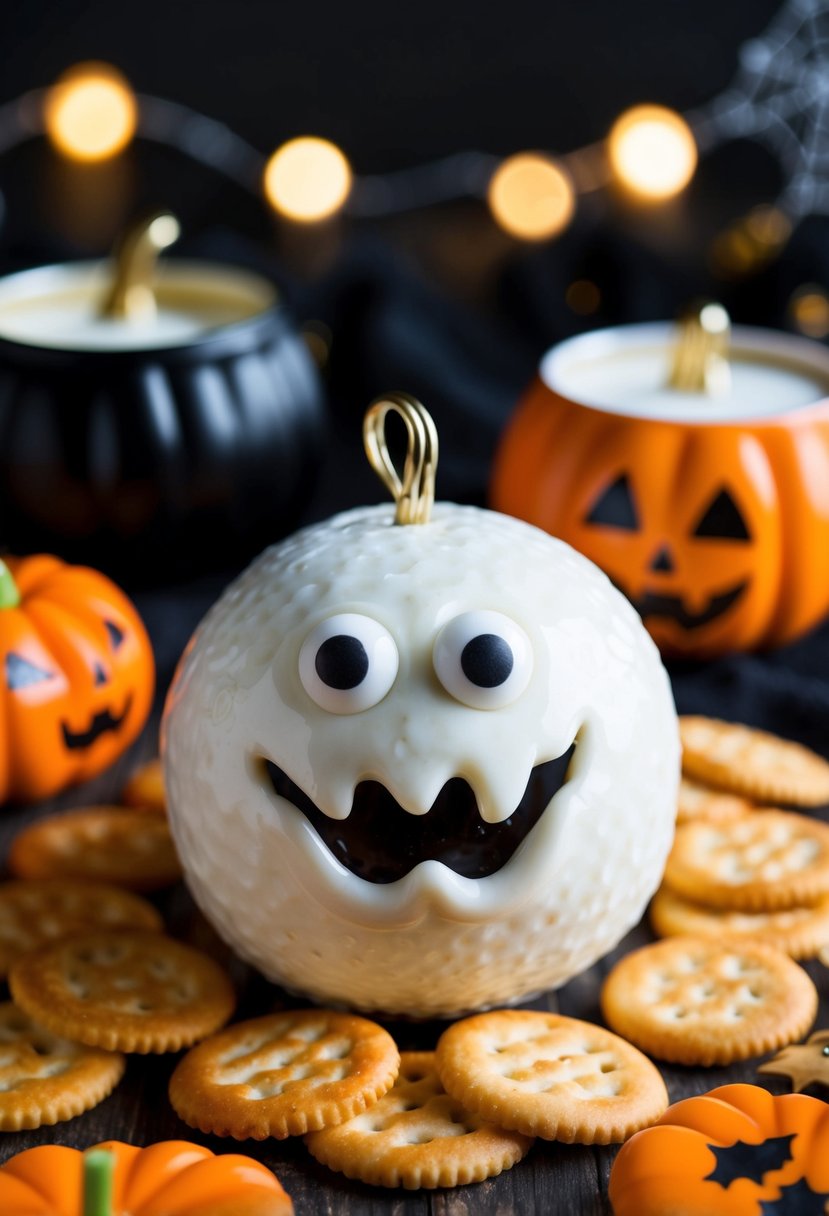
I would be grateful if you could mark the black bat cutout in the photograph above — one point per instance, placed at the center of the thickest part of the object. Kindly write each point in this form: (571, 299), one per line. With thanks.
(750, 1161)
(796, 1200)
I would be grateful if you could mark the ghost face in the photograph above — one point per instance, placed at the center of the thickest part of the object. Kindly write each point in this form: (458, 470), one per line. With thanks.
(394, 743)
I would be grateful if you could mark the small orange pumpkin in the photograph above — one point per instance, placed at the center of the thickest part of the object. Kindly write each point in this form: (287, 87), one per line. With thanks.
(717, 533)
(76, 675)
(735, 1151)
(171, 1178)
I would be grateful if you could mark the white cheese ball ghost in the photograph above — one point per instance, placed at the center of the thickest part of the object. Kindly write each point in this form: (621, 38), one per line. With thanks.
(421, 769)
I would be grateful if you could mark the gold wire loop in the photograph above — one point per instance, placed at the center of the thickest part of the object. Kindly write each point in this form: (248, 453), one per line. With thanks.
(700, 363)
(415, 492)
(131, 294)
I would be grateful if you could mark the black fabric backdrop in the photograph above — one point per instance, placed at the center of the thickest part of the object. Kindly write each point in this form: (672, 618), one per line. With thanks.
(391, 329)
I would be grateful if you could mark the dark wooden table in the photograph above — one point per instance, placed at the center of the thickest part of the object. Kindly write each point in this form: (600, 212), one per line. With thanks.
(553, 1179)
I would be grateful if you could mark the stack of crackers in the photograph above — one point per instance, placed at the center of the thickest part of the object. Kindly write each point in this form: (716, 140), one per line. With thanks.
(745, 892)
(740, 866)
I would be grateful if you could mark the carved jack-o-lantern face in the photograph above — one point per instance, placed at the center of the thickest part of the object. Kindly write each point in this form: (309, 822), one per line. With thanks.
(396, 746)
(616, 508)
(681, 540)
(718, 533)
(76, 676)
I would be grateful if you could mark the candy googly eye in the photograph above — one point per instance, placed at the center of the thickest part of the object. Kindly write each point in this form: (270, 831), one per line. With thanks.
(348, 663)
(483, 659)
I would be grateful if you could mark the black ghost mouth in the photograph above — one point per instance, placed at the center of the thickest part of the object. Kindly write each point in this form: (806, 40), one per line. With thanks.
(381, 842)
(672, 606)
(101, 723)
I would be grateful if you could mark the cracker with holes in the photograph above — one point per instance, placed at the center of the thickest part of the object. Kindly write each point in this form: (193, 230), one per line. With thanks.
(752, 762)
(145, 788)
(45, 1079)
(38, 911)
(418, 1136)
(694, 1000)
(551, 1076)
(761, 863)
(284, 1074)
(105, 843)
(696, 801)
(124, 991)
(801, 932)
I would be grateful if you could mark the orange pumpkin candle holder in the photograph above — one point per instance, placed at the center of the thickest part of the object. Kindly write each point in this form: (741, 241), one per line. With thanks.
(76, 675)
(735, 1151)
(171, 1178)
(711, 512)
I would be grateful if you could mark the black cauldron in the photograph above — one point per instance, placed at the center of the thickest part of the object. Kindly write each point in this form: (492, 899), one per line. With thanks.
(184, 444)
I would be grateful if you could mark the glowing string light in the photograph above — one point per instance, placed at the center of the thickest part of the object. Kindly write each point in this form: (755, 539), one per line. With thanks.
(307, 179)
(90, 114)
(809, 308)
(531, 197)
(776, 98)
(652, 152)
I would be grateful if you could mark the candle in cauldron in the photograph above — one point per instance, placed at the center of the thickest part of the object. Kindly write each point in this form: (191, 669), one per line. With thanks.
(152, 414)
(695, 474)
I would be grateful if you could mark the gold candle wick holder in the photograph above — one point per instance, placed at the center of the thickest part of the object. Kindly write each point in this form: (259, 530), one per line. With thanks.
(414, 493)
(131, 295)
(700, 362)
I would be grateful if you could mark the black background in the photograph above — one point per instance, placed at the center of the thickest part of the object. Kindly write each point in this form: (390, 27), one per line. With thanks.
(395, 83)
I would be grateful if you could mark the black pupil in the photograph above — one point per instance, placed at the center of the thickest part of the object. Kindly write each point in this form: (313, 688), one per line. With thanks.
(487, 660)
(342, 662)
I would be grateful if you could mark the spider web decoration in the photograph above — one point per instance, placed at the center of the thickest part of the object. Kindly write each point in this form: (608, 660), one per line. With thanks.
(779, 97)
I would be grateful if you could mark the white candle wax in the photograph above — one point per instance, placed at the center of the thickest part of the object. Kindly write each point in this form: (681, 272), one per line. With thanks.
(626, 370)
(59, 306)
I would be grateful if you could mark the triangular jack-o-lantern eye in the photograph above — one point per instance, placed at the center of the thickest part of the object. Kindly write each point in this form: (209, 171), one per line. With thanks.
(615, 507)
(20, 673)
(722, 518)
(116, 634)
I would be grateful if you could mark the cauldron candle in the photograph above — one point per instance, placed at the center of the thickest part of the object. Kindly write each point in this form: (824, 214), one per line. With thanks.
(169, 410)
(696, 476)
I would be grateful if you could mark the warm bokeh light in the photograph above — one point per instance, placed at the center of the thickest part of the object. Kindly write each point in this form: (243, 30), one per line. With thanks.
(307, 179)
(809, 307)
(91, 112)
(531, 197)
(652, 152)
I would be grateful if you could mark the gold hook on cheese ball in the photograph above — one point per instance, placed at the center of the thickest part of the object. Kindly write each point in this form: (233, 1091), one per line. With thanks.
(415, 492)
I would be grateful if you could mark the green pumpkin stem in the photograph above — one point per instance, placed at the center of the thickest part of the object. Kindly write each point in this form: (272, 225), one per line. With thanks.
(9, 595)
(98, 1177)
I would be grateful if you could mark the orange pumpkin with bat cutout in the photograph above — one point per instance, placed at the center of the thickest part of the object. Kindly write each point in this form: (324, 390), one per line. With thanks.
(735, 1151)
